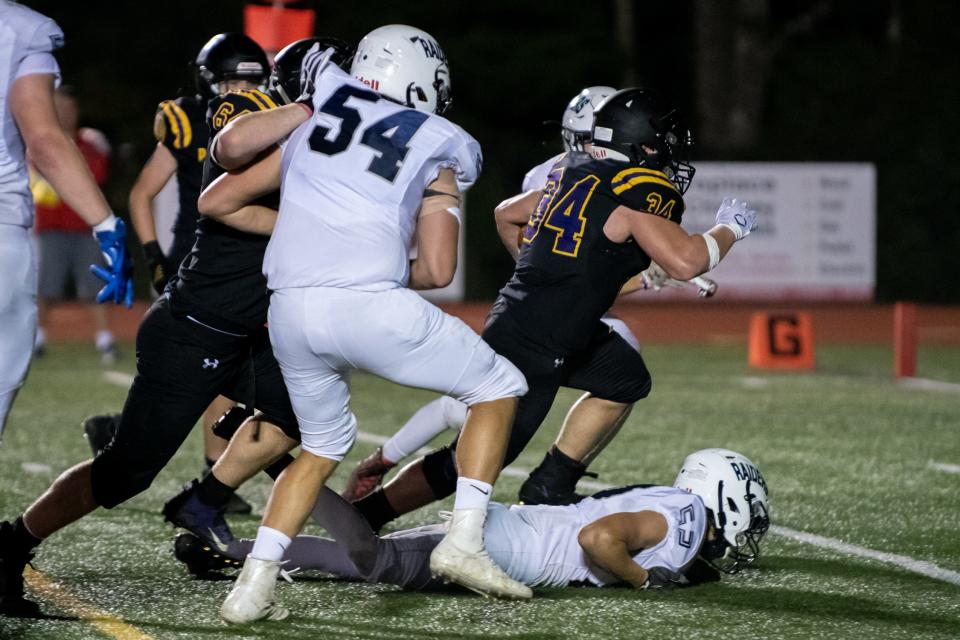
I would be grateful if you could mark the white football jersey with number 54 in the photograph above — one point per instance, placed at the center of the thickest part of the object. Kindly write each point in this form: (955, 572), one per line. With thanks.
(353, 180)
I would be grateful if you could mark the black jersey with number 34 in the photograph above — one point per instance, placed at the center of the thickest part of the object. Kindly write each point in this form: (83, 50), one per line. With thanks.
(568, 273)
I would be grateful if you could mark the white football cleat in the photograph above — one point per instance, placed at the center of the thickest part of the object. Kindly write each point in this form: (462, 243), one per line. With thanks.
(472, 567)
(251, 598)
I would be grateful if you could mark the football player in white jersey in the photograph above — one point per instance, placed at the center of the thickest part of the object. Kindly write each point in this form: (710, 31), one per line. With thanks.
(644, 536)
(369, 174)
(28, 123)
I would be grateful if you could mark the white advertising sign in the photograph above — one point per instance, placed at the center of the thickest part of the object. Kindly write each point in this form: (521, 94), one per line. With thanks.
(817, 229)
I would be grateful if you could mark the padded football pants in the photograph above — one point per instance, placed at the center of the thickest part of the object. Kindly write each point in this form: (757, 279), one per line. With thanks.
(18, 312)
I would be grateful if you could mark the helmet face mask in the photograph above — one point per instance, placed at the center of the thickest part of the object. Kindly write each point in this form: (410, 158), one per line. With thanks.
(735, 494)
(406, 65)
(285, 77)
(637, 125)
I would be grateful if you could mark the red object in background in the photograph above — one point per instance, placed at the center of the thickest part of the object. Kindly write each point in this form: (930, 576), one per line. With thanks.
(274, 27)
(58, 216)
(905, 339)
(781, 340)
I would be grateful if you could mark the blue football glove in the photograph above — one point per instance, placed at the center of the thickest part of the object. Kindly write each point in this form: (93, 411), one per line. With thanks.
(118, 274)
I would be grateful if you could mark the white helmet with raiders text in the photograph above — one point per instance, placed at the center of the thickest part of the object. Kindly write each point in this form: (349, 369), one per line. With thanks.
(577, 122)
(735, 493)
(404, 64)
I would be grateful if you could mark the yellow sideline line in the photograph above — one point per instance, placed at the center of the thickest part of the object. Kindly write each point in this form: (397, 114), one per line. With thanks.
(104, 622)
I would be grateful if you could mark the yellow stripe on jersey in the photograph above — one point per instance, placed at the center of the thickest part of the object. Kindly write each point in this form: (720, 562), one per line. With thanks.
(184, 124)
(628, 178)
(259, 98)
(174, 124)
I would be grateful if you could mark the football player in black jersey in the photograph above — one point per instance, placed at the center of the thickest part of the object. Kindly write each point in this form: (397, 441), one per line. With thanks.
(187, 355)
(599, 221)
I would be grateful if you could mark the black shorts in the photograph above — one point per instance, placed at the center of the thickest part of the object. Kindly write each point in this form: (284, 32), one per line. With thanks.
(181, 367)
(607, 367)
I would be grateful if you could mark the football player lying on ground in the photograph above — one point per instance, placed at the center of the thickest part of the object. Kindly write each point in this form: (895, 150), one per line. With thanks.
(602, 219)
(642, 536)
(592, 421)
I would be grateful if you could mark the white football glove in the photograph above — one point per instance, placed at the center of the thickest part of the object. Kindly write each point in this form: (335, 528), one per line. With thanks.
(734, 215)
(654, 277)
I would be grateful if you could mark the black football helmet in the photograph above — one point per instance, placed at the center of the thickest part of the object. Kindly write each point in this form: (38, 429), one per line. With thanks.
(645, 129)
(229, 56)
(285, 78)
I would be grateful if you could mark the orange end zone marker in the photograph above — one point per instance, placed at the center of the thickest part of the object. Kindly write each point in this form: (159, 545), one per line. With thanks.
(905, 339)
(781, 341)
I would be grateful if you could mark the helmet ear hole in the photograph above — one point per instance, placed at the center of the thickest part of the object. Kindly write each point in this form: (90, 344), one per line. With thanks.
(732, 506)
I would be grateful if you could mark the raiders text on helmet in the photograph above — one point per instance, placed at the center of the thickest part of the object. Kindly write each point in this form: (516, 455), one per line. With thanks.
(404, 64)
(639, 126)
(230, 56)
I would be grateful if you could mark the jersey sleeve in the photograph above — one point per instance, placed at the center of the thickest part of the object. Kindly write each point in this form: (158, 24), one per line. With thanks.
(465, 158)
(36, 52)
(172, 127)
(649, 191)
(223, 109)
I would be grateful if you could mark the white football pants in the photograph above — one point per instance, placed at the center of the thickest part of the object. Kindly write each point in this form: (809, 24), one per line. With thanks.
(18, 312)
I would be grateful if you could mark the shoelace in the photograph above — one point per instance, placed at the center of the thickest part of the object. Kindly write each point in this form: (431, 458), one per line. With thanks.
(288, 575)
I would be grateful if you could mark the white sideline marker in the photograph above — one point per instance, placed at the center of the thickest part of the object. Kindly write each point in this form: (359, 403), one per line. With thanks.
(944, 466)
(926, 384)
(907, 563)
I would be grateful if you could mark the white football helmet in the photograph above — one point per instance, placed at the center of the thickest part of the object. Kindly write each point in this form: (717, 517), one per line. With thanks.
(734, 491)
(406, 65)
(577, 120)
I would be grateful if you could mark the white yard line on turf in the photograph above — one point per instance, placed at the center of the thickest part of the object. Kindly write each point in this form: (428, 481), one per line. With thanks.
(925, 384)
(907, 563)
(944, 466)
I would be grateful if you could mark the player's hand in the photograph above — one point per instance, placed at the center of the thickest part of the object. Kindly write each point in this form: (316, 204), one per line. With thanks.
(734, 215)
(654, 277)
(158, 266)
(663, 578)
(118, 274)
(309, 68)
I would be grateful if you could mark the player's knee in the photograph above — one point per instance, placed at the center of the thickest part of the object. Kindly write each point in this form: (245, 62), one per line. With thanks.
(440, 472)
(115, 478)
(503, 380)
(332, 439)
(454, 412)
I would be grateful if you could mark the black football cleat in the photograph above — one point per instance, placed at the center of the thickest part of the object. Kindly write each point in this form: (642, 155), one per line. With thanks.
(202, 559)
(99, 431)
(237, 506)
(185, 510)
(554, 481)
(12, 564)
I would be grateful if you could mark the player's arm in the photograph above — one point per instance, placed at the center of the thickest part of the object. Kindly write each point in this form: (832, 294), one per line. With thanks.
(228, 197)
(512, 216)
(52, 151)
(610, 542)
(438, 230)
(160, 167)
(245, 137)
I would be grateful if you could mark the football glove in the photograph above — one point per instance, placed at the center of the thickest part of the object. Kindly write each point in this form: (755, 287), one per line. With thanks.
(734, 215)
(312, 62)
(654, 277)
(158, 266)
(118, 274)
(663, 578)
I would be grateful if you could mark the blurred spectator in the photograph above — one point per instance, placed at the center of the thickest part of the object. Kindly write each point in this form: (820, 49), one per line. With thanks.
(63, 239)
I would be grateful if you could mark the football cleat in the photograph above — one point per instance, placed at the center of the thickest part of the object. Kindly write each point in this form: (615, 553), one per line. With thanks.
(251, 598)
(99, 431)
(201, 558)
(185, 510)
(554, 481)
(461, 558)
(237, 506)
(12, 564)
(367, 476)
